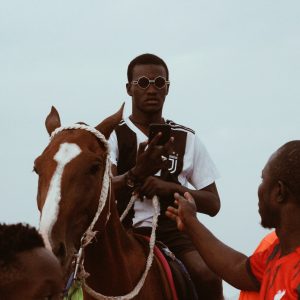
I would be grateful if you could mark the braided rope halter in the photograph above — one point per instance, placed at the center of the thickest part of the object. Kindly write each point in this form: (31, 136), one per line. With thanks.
(89, 234)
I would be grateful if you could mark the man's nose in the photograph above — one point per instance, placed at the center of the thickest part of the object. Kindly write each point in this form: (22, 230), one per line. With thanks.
(151, 88)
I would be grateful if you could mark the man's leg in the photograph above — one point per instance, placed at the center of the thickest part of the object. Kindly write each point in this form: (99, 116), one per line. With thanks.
(207, 283)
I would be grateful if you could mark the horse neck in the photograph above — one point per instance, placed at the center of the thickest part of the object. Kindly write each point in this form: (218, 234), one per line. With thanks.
(115, 260)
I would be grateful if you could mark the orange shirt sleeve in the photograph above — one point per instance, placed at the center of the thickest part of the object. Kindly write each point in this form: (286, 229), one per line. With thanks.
(267, 241)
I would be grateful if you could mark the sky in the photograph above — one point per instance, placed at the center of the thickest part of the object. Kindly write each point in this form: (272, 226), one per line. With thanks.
(234, 70)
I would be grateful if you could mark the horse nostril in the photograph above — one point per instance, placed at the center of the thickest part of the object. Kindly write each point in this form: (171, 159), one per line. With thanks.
(60, 251)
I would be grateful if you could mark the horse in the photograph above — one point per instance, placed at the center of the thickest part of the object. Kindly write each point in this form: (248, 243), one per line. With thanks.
(86, 233)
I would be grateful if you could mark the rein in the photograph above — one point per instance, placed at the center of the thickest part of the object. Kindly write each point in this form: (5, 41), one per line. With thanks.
(89, 234)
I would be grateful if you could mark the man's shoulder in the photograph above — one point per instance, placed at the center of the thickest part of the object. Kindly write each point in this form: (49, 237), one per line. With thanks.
(124, 133)
(178, 127)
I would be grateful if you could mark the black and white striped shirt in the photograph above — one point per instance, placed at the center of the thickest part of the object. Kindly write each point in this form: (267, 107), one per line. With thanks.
(190, 163)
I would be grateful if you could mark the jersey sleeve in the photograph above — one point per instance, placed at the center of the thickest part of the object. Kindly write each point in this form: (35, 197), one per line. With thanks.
(257, 262)
(204, 171)
(114, 150)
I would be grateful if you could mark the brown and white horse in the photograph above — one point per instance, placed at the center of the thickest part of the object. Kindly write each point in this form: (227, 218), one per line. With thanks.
(73, 172)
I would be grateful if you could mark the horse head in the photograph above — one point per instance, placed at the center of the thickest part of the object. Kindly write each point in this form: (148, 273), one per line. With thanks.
(71, 170)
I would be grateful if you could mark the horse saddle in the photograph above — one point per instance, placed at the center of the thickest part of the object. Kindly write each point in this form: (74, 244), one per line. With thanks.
(184, 285)
(179, 279)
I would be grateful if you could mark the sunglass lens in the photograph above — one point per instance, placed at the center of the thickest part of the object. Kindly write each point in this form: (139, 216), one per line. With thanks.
(160, 82)
(143, 82)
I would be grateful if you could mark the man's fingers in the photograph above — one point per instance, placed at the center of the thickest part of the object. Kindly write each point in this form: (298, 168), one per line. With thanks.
(178, 198)
(171, 215)
(168, 145)
(142, 147)
(172, 210)
(188, 197)
(175, 218)
(176, 202)
(155, 140)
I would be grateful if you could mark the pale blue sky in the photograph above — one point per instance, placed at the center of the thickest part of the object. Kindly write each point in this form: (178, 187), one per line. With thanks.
(234, 71)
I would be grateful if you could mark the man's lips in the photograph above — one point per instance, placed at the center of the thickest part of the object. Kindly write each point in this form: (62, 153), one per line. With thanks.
(151, 100)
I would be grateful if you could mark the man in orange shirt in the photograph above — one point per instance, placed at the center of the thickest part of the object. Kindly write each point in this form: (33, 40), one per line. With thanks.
(274, 272)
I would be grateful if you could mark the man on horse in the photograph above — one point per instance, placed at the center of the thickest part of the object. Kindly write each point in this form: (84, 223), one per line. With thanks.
(275, 272)
(27, 269)
(150, 169)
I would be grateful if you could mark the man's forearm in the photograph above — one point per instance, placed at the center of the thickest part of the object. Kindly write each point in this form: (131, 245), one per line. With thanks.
(121, 190)
(206, 202)
(118, 182)
(223, 260)
(126, 182)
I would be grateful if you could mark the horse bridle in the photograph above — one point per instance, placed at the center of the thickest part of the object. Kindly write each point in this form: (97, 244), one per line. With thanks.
(79, 273)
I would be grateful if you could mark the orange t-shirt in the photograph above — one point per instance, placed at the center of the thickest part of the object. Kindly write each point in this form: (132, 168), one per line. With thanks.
(279, 276)
(267, 241)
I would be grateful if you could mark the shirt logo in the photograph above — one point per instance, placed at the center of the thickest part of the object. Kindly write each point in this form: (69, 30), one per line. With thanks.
(279, 294)
(173, 158)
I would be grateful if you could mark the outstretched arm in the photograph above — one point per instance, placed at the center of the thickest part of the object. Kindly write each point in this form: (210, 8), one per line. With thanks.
(229, 264)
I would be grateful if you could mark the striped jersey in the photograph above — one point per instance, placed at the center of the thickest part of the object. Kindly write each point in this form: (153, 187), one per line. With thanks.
(189, 163)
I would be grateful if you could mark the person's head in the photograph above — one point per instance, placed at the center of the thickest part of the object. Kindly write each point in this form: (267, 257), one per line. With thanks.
(27, 269)
(280, 186)
(147, 96)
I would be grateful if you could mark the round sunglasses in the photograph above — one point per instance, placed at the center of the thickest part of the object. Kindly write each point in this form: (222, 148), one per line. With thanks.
(159, 82)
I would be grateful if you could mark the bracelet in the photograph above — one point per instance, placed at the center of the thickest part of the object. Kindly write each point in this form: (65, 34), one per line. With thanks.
(131, 180)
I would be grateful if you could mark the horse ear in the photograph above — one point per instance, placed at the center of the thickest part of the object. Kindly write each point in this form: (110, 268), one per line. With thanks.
(52, 121)
(107, 126)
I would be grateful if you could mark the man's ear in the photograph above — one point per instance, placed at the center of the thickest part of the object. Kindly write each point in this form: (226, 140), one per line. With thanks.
(283, 192)
(128, 88)
(168, 86)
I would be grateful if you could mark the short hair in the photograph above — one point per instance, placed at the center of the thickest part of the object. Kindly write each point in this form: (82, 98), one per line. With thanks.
(145, 59)
(286, 166)
(15, 239)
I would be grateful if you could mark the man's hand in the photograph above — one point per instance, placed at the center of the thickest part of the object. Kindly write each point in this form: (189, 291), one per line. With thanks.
(231, 265)
(150, 160)
(156, 186)
(185, 212)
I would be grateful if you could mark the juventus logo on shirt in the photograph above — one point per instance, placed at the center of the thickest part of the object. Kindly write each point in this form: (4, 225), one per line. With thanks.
(173, 158)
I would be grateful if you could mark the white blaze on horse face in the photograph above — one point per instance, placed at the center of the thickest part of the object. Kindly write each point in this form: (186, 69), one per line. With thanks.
(65, 154)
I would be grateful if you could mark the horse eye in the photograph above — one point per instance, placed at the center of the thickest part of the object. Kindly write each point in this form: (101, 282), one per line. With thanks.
(95, 167)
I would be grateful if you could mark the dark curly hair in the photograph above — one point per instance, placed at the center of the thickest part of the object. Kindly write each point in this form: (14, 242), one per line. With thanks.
(14, 239)
(286, 167)
(145, 59)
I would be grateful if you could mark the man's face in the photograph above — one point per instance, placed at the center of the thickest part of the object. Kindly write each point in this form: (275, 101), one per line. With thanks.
(151, 99)
(42, 278)
(268, 208)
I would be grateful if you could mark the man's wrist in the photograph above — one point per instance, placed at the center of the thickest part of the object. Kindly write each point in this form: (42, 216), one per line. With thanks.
(191, 221)
(139, 174)
(132, 180)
